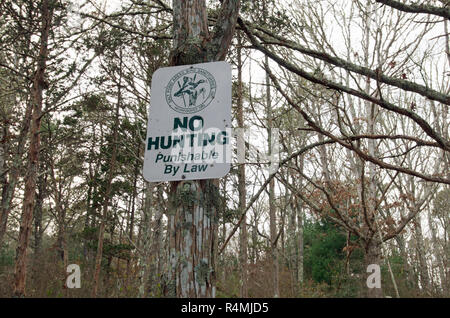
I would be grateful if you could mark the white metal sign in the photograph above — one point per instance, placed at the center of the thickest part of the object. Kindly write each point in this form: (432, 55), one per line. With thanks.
(189, 126)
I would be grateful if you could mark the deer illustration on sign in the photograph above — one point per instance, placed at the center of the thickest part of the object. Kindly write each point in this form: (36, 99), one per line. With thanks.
(190, 90)
(189, 87)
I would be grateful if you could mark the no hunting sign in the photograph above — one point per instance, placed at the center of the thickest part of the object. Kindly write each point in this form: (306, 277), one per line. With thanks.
(189, 126)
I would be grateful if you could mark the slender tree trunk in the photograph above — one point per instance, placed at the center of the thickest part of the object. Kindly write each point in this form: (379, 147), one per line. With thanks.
(86, 251)
(146, 226)
(300, 245)
(272, 207)
(9, 186)
(61, 240)
(447, 42)
(111, 172)
(255, 252)
(9, 182)
(224, 231)
(386, 257)
(437, 251)
(131, 214)
(291, 242)
(420, 249)
(410, 281)
(39, 84)
(156, 259)
(4, 131)
(299, 212)
(3, 176)
(65, 254)
(241, 176)
(38, 230)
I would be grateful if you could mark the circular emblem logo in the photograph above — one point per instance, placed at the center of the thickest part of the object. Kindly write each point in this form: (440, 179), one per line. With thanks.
(191, 90)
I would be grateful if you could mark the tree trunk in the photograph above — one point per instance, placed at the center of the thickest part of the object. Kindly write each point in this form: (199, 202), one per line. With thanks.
(224, 231)
(410, 281)
(110, 177)
(272, 209)
(193, 205)
(420, 249)
(146, 226)
(39, 84)
(9, 186)
(241, 177)
(437, 251)
(300, 251)
(297, 206)
(132, 211)
(3, 178)
(38, 229)
(194, 220)
(291, 242)
(255, 252)
(156, 259)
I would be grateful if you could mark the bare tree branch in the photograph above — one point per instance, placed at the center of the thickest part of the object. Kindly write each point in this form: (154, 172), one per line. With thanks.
(363, 155)
(376, 75)
(417, 8)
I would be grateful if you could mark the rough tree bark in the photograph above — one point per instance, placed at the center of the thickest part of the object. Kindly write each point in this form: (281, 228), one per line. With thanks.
(193, 205)
(38, 86)
(241, 177)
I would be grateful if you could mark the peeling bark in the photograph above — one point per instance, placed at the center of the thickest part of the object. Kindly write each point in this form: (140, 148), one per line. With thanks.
(193, 226)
